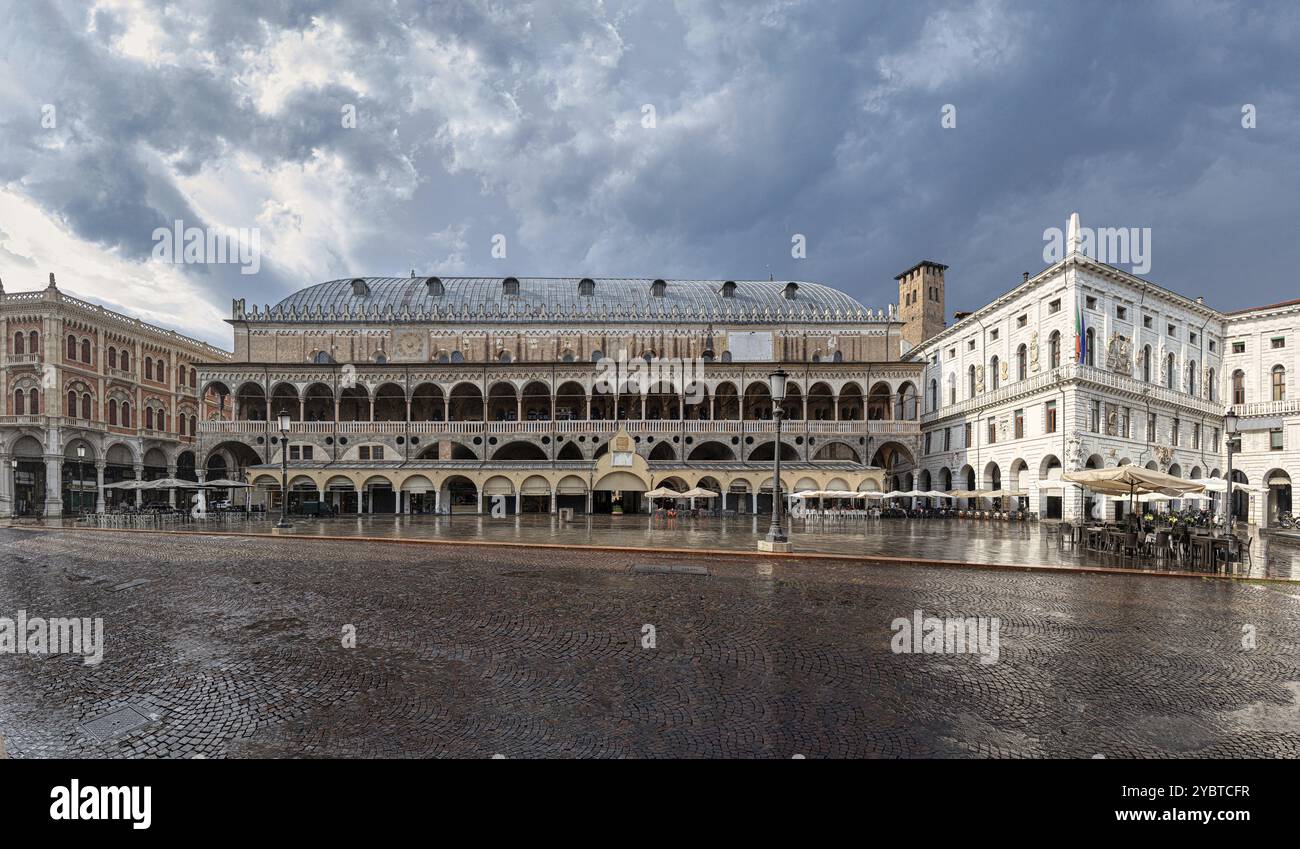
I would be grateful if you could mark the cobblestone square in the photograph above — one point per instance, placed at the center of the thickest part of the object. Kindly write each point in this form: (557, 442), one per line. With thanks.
(234, 647)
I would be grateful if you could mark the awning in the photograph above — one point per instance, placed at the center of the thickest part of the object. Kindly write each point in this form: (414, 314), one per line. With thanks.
(1279, 480)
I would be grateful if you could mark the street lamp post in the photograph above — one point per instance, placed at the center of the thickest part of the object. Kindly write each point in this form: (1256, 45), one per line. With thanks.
(13, 464)
(1229, 433)
(283, 420)
(81, 475)
(776, 539)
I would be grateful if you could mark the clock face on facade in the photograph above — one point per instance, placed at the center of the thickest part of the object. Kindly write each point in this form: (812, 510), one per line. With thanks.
(408, 346)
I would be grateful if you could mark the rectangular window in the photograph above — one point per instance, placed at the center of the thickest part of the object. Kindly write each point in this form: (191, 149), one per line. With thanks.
(969, 434)
(1173, 433)
(1094, 416)
(294, 452)
(993, 334)
(1173, 330)
(1238, 347)
(1121, 312)
(1151, 427)
(371, 452)
(1278, 341)
(1049, 417)
(1022, 321)
(1054, 306)
(1213, 346)
(993, 431)
(1275, 440)
(970, 345)
(1125, 416)
(1020, 424)
(1214, 435)
(947, 439)
(927, 442)
(1196, 435)
(1146, 322)
(1090, 302)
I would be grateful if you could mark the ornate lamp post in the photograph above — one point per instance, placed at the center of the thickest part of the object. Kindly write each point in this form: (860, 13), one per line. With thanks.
(13, 464)
(283, 421)
(1230, 434)
(776, 539)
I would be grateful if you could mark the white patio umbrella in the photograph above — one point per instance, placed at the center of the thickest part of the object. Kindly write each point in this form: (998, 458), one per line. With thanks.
(934, 493)
(664, 492)
(132, 484)
(699, 492)
(222, 483)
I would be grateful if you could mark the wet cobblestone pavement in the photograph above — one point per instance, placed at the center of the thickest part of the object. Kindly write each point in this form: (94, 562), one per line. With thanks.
(962, 540)
(231, 647)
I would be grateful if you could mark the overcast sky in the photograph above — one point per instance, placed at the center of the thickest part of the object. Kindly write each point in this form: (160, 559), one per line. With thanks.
(529, 120)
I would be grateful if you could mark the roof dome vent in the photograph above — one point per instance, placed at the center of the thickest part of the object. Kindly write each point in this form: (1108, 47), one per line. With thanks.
(360, 288)
(510, 286)
(658, 288)
(586, 287)
(729, 289)
(790, 289)
(435, 287)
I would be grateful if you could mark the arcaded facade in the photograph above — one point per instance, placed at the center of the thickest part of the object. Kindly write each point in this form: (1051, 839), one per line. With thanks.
(453, 394)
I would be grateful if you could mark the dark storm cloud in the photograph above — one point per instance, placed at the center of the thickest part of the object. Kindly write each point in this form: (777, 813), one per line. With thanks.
(772, 119)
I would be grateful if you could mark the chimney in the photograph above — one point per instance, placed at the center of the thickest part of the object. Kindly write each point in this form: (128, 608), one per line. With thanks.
(1025, 278)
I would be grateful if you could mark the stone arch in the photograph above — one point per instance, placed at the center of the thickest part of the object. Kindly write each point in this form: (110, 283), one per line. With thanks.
(879, 402)
(851, 404)
(663, 451)
(390, 403)
(836, 450)
(711, 452)
(465, 403)
(519, 451)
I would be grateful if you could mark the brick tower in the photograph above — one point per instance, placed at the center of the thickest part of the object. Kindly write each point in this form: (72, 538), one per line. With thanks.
(920, 301)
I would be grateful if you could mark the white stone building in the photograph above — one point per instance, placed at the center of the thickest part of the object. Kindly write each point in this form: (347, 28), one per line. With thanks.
(1081, 366)
(1259, 369)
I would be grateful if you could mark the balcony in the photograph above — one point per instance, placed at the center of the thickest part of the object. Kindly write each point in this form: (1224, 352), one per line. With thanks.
(24, 360)
(899, 428)
(120, 374)
(1076, 373)
(1268, 408)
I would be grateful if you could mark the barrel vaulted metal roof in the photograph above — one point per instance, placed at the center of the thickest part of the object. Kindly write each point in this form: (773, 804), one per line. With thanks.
(536, 299)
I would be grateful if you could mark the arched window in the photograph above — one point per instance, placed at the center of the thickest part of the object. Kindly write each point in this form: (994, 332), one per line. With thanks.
(148, 418)
(1054, 349)
(970, 382)
(72, 347)
(85, 406)
(1191, 377)
(126, 414)
(180, 375)
(194, 378)
(1210, 385)
(1279, 383)
(838, 358)
(112, 412)
(1238, 387)
(20, 344)
(1169, 372)
(596, 355)
(934, 394)
(457, 357)
(194, 425)
(1022, 362)
(34, 402)
(126, 361)
(20, 402)
(85, 350)
(72, 402)
(1090, 347)
(1146, 363)
(504, 357)
(34, 342)
(112, 358)
(993, 373)
(148, 368)
(952, 389)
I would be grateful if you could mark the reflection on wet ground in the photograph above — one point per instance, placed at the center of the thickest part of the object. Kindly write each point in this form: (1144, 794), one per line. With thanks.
(971, 541)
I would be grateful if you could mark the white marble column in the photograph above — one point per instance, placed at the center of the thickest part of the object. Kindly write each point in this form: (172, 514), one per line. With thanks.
(99, 487)
(53, 485)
